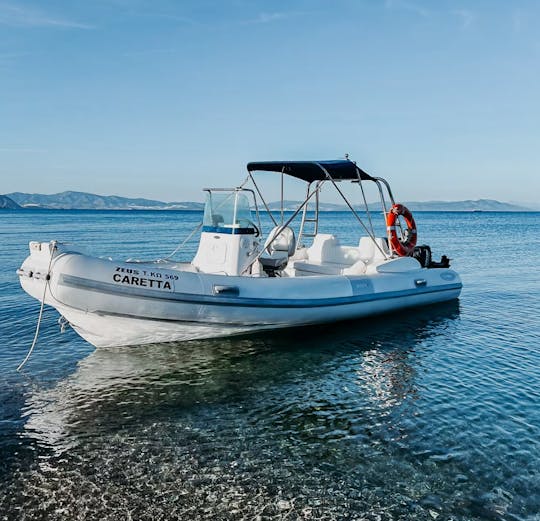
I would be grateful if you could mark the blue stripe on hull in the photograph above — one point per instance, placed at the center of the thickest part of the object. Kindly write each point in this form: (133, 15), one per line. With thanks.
(191, 298)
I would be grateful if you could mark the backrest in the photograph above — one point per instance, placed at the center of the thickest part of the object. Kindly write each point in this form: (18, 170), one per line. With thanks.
(321, 248)
(368, 250)
(284, 242)
(326, 248)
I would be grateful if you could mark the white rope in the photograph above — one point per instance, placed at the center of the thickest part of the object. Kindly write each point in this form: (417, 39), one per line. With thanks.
(47, 279)
(183, 243)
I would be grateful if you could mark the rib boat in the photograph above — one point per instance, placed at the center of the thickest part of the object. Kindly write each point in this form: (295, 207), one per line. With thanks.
(240, 281)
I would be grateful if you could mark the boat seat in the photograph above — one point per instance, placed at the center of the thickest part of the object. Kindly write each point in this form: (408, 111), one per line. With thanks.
(306, 267)
(277, 251)
(327, 256)
(322, 248)
(275, 261)
(368, 252)
(285, 241)
(318, 268)
(326, 248)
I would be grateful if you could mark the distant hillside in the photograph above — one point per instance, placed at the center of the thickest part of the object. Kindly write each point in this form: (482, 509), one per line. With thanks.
(293, 205)
(480, 205)
(85, 201)
(6, 203)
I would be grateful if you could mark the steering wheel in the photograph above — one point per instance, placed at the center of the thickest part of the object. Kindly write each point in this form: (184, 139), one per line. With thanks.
(251, 224)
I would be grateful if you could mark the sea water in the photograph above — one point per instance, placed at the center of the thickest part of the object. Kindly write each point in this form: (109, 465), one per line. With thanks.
(431, 413)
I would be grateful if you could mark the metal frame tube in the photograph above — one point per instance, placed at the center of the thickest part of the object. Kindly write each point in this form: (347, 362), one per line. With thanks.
(371, 235)
(282, 194)
(262, 199)
(388, 189)
(303, 222)
(378, 181)
(283, 226)
(365, 203)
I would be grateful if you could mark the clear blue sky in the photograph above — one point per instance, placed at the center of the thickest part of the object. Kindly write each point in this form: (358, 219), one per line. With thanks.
(158, 98)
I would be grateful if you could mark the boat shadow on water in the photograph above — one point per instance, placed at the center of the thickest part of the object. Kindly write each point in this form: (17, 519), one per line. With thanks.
(113, 388)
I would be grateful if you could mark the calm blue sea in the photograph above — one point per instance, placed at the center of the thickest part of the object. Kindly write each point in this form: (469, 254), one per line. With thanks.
(431, 414)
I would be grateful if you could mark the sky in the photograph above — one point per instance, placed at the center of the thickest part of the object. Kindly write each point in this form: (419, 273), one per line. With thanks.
(159, 98)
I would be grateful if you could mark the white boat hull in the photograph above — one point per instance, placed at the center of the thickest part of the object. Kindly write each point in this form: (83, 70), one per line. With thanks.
(113, 303)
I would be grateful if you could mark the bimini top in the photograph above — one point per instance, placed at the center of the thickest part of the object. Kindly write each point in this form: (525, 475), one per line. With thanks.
(309, 171)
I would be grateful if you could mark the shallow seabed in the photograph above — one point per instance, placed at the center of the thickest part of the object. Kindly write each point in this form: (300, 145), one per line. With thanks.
(431, 414)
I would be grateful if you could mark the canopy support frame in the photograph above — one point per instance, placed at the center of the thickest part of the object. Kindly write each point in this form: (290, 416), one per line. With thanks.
(354, 212)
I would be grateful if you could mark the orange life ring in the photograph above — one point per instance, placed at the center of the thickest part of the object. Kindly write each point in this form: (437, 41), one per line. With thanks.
(401, 247)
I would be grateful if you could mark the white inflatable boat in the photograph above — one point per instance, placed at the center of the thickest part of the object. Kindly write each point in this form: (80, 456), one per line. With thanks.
(239, 281)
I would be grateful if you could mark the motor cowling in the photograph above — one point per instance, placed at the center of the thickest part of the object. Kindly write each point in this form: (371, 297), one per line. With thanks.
(423, 255)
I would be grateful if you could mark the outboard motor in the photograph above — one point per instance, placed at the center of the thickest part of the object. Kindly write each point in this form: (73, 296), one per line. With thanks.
(423, 255)
(443, 263)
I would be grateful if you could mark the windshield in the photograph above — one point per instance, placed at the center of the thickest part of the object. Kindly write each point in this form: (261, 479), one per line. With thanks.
(219, 210)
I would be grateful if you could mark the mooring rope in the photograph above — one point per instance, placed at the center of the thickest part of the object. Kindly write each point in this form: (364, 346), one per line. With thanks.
(47, 280)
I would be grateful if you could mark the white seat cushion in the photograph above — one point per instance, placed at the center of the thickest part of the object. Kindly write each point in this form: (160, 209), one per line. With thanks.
(284, 241)
(326, 248)
(368, 251)
(322, 244)
(330, 268)
(319, 268)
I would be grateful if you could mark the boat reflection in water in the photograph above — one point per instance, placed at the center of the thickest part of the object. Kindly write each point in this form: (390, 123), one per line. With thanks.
(337, 381)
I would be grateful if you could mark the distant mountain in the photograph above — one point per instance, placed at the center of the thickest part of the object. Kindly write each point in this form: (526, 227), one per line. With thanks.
(6, 203)
(480, 205)
(291, 206)
(85, 201)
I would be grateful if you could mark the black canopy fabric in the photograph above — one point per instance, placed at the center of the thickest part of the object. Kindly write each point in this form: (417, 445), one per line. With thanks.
(309, 171)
